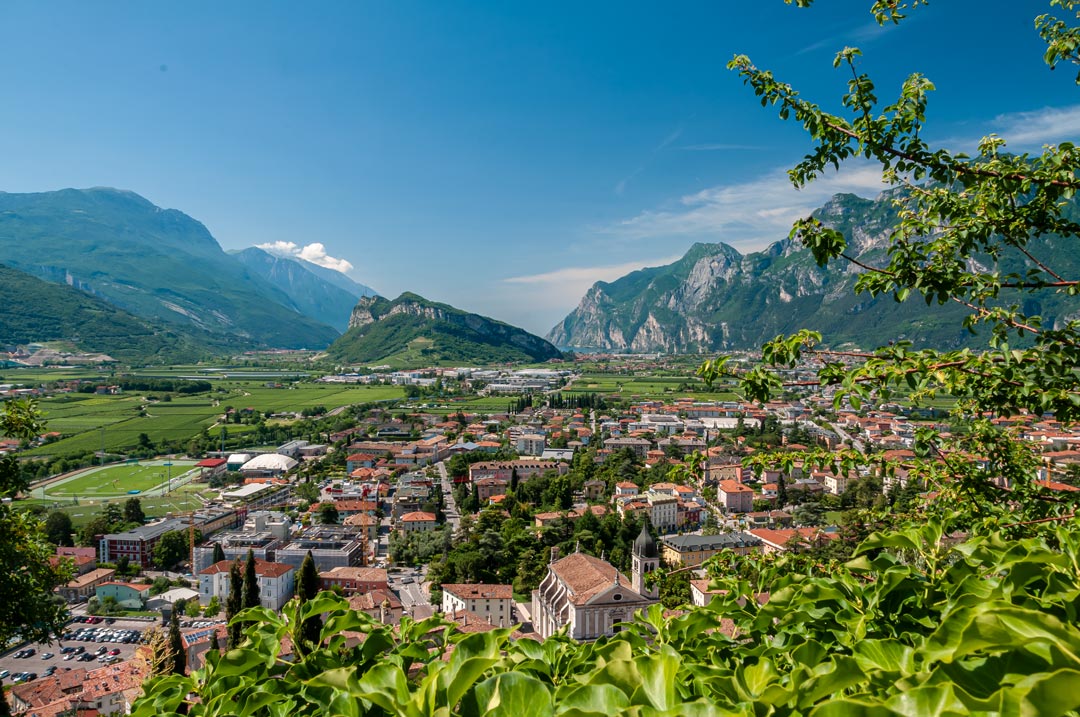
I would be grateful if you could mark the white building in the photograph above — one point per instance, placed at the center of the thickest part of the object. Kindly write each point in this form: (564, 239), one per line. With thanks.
(495, 603)
(268, 465)
(663, 511)
(531, 444)
(276, 583)
(589, 597)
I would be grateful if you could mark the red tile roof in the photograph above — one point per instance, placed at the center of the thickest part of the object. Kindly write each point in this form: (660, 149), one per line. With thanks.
(263, 568)
(476, 591)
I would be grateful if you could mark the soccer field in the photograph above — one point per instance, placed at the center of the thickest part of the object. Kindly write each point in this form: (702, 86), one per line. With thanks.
(118, 480)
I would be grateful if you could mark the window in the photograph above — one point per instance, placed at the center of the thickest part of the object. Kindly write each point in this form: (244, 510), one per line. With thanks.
(617, 596)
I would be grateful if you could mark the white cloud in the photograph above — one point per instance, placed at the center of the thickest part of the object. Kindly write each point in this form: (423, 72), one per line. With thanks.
(747, 216)
(538, 301)
(1049, 125)
(586, 276)
(314, 253)
(669, 139)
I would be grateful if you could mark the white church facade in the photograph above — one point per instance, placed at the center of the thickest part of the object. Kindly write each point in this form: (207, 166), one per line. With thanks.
(589, 597)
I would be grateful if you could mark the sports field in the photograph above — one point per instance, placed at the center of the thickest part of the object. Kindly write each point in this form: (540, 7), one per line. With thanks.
(84, 508)
(118, 480)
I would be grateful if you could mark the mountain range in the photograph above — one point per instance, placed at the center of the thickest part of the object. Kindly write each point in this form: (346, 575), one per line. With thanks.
(106, 271)
(414, 330)
(716, 298)
(317, 292)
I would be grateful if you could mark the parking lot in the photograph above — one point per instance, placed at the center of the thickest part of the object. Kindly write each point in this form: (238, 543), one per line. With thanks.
(100, 641)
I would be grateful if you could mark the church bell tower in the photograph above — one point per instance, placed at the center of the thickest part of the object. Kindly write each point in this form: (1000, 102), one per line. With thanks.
(645, 559)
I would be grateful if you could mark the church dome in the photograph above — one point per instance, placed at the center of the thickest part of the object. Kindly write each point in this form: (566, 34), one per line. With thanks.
(644, 545)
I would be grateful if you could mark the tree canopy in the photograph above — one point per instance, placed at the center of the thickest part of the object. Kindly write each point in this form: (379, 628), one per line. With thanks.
(28, 608)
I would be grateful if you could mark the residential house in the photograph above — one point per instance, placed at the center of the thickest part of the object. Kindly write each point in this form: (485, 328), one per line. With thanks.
(692, 550)
(131, 596)
(83, 586)
(493, 602)
(276, 583)
(416, 521)
(352, 580)
(734, 496)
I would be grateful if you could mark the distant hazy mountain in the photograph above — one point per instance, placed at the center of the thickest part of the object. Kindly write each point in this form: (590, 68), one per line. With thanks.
(715, 298)
(36, 311)
(311, 292)
(414, 330)
(338, 279)
(155, 263)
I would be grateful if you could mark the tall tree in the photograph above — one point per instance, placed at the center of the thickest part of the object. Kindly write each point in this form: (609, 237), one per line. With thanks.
(176, 644)
(58, 528)
(114, 514)
(328, 514)
(171, 549)
(234, 604)
(251, 582)
(28, 608)
(219, 553)
(307, 587)
(133, 512)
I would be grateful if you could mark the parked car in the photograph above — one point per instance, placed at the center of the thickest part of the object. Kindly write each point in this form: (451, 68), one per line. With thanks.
(47, 655)
(4, 674)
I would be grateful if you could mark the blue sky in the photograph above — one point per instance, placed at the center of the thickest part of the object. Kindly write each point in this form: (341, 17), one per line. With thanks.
(496, 156)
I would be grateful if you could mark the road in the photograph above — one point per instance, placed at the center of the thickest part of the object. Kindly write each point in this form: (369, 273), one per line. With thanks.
(409, 584)
(451, 511)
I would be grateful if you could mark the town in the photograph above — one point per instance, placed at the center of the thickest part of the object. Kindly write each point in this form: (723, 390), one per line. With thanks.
(569, 510)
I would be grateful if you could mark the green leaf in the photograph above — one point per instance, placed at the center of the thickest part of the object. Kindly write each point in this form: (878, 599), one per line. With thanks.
(511, 694)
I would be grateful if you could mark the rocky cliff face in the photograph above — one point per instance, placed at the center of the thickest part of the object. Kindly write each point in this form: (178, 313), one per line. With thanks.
(715, 298)
(379, 328)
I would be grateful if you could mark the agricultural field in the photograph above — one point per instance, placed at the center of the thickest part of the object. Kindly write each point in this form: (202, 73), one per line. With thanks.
(89, 421)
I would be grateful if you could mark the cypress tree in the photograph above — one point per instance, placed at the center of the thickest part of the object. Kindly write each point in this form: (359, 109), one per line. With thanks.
(5, 708)
(175, 643)
(307, 587)
(234, 604)
(781, 493)
(219, 553)
(251, 582)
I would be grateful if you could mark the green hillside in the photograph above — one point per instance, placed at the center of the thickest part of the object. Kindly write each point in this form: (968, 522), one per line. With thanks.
(32, 310)
(155, 263)
(425, 332)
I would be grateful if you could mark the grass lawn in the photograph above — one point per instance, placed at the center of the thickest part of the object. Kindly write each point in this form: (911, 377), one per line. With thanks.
(118, 480)
(181, 500)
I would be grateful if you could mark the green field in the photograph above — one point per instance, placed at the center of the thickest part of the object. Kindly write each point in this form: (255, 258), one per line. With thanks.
(118, 480)
(185, 498)
(88, 421)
